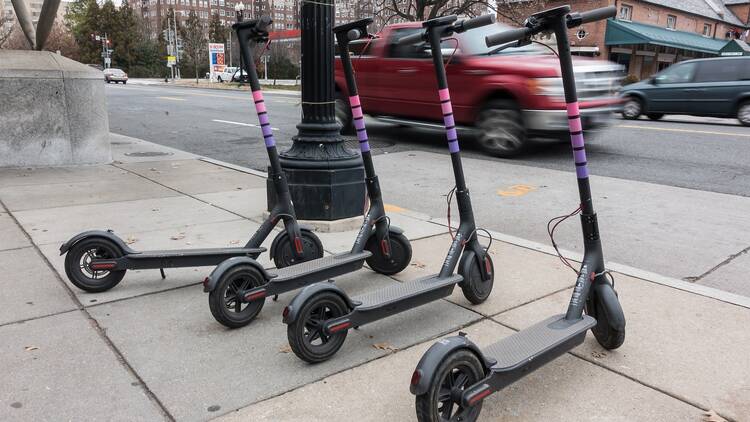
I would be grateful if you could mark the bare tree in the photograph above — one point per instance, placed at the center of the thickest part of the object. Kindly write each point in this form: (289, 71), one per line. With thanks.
(194, 42)
(516, 11)
(5, 34)
(419, 10)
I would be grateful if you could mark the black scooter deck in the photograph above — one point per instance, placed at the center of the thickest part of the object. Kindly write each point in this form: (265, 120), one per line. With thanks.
(316, 270)
(403, 292)
(541, 342)
(196, 252)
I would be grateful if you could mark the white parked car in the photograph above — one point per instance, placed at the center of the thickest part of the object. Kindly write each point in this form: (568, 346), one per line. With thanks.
(226, 75)
(115, 75)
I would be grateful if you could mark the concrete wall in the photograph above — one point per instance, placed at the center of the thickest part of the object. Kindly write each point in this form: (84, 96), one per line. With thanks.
(53, 111)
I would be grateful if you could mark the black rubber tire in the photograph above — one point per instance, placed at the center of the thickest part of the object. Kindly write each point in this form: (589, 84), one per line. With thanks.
(428, 406)
(283, 255)
(400, 254)
(743, 113)
(632, 108)
(332, 306)
(655, 116)
(124, 82)
(102, 248)
(344, 114)
(500, 129)
(607, 336)
(240, 277)
(474, 288)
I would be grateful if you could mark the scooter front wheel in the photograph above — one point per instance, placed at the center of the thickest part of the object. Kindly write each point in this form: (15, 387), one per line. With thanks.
(312, 248)
(225, 300)
(400, 254)
(306, 335)
(78, 261)
(601, 305)
(475, 289)
(441, 402)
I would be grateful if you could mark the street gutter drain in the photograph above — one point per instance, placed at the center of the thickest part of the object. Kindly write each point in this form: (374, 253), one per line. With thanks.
(148, 154)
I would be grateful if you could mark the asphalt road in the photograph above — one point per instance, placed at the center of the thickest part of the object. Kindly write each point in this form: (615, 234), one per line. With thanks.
(682, 152)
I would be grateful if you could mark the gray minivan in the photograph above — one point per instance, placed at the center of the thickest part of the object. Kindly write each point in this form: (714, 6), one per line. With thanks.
(716, 87)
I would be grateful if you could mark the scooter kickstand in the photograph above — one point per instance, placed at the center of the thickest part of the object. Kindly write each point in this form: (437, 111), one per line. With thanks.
(163, 276)
(275, 298)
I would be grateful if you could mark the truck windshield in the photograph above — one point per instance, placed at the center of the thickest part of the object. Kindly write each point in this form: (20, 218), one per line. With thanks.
(472, 42)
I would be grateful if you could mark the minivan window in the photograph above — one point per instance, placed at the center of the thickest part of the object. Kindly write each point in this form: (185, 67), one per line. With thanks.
(677, 74)
(718, 71)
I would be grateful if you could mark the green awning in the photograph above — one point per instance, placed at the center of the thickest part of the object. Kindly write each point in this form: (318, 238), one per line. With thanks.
(629, 33)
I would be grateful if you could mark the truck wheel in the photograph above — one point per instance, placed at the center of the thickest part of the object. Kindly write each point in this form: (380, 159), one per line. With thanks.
(743, 114)
(344, 115)
(501, 129)
(632, 108)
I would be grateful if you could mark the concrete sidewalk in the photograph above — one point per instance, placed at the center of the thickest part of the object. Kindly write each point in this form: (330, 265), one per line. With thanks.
(150, 350)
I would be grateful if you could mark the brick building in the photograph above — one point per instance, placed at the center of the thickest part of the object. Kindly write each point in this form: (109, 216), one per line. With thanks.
(647, 36)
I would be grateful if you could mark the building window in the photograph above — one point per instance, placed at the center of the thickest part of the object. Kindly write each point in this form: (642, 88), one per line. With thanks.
(707, 29)
(626, 12)
(671, 21)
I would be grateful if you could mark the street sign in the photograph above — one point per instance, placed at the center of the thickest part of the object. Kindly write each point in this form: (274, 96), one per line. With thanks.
(216, 62)
(107, 61)
(171, 61)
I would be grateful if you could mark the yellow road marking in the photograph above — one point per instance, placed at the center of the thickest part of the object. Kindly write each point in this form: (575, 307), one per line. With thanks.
(171, 98)
(666, 129)
(517, 190)
(392, 208)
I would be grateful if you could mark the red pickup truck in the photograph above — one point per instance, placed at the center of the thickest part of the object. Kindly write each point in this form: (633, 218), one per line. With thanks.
(503, 96)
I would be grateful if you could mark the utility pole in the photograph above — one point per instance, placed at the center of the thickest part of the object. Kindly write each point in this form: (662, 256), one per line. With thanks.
(176, 51)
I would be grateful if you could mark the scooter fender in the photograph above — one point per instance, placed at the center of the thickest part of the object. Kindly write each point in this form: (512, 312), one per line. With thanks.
(97, 233)
(435, 355)
(291, 312)
(275, 243)
(209, 284)
(608, 298)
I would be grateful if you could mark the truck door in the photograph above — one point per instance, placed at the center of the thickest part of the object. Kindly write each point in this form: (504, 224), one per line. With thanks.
(406, 80)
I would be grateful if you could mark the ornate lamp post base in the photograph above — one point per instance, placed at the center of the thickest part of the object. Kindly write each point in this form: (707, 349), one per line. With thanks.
(325, 178)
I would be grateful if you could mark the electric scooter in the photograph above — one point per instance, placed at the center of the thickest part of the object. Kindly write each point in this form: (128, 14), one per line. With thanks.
(320, 316)
(238, 286)
(97, 260)
(454, 375)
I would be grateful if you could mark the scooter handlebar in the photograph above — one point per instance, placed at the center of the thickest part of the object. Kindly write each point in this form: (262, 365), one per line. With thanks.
(597, 14)
(263, 23)
(412, 39)
(355, 34)
(507, 36)
(473, 23)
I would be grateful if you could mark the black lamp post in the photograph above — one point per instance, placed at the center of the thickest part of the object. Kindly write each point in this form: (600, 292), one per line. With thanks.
(239, 11)
(326, 179)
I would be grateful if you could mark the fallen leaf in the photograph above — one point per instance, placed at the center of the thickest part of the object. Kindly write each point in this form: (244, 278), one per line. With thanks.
(712, 416)
(178, 236)
(285, 349)
(385, 346)
(234, 242)
(417, 264)
(30, 348)
(598, 354)
(130, 240)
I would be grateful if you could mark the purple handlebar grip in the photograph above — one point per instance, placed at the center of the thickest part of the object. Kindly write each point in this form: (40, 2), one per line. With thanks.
(448, 120)
(359, 123)
(265, 124)
(576, 140)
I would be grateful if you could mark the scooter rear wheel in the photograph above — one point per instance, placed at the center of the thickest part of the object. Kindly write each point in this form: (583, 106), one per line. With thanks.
(305, 334)
(283, 256)
(79, 257)
(400, 251)
(441, 402)
(474, 288)
(225, 302)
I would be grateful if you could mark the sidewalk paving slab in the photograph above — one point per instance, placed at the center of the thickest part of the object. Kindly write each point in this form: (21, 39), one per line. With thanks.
(30, 288)
(568, 389)
(11, 235)
(192, 363)
(114, 188)
(138, 282)
(732, 277)
(57, 225)
(129, 150)
(28, 176)
(249, 203)
(59, 369)
(514, 283)
(690, 346)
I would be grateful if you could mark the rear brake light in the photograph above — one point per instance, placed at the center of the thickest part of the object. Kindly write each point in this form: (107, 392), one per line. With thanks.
(298, 245)
(285, 313)
(487, 266)
(206, 281)
(416, 376)
(384, 247)
(340, 326)
(479, 396)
